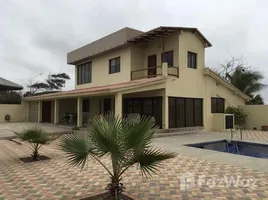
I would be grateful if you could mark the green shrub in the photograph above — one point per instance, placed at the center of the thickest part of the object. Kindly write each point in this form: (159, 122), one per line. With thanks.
(239, 115)
(36, 137)
(125, 142)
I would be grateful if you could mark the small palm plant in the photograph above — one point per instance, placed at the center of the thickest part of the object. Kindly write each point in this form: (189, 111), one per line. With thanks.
(126, 143)
(36, 137)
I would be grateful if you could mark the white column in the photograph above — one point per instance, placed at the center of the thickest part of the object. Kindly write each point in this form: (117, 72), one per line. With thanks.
(39, 117)
(165, 69)
(56, 111)
(79, 112)
(165, 120)
(118, 104)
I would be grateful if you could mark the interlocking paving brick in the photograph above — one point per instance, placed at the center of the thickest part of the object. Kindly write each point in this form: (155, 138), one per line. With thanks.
(54, 179)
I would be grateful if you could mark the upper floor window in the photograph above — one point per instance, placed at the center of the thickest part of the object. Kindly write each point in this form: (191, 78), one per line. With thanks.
(192, 60)
(168, 57)
(217, 105)
(114, 65)
(84, 73)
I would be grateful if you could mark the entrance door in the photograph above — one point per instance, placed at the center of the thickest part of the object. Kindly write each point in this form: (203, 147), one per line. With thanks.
(152, 66)
(46, 111)
(107, 105)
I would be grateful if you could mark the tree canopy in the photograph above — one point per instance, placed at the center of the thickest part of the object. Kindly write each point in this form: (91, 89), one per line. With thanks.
(53, 83)
(244, 78)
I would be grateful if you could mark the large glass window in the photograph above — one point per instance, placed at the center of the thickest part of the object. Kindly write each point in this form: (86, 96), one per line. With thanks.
(84, 73)
(150, 106)
(185, 112)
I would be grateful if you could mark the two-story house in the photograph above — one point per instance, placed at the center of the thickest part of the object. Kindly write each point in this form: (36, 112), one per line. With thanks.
(160, 73)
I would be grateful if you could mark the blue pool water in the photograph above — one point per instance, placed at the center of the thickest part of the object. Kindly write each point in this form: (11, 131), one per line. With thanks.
(235, 147)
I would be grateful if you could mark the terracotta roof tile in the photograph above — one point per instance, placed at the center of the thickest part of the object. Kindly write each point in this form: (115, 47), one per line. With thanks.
(98, 89)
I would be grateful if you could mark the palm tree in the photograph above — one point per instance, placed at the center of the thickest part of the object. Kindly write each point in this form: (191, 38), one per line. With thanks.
(257, 100)
(36, 137)
(126, 143)
(248, 81)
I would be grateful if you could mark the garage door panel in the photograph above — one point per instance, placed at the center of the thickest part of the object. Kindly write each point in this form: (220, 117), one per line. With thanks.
(33, 111)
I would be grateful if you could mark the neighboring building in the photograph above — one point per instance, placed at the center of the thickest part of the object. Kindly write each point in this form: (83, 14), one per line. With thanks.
(6, 85)
(160, 73)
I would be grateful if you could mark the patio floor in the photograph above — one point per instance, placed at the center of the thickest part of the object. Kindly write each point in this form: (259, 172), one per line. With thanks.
(53, 179)
(6, 129)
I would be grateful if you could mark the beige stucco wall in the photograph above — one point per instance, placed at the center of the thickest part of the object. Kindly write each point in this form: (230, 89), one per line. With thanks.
(191, 81)
(218, 121)
(257, 116)
(100, 69)
(137, 61)
(152, 93)
(194, 84)
(156, 47)
(214, 89)
(17, 112)
(33, 111)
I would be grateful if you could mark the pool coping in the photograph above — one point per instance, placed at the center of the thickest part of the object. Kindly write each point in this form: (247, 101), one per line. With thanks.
(253, 163)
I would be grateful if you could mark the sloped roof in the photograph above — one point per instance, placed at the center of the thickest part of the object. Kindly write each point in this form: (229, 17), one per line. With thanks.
(99, 89)
(123, 37)
(231, 87)
(165, 30)
(8, 85)
(108, 42)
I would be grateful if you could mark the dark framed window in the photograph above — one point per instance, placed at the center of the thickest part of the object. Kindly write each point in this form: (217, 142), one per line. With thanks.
(217, 105)
(185, 112)
(114, 65)
(169, 58)
(85, 105)
(149, 106)
(192, 60)
(84, 73)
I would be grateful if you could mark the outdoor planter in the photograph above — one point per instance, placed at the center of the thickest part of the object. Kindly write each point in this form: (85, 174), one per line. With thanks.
(103, 196)
(264, 128)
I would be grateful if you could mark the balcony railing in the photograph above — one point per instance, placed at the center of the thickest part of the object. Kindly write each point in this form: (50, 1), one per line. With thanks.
(146, 73)
(173, 71)
(153, 72)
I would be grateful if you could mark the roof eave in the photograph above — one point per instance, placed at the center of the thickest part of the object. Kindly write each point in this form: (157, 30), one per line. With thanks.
(227, 84)
(164, 29)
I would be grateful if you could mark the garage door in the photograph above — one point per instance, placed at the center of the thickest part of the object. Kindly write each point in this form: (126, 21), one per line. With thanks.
(33, 111)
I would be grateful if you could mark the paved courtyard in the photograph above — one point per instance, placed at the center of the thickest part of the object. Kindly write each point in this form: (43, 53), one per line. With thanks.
(6, 129)
(53, 179)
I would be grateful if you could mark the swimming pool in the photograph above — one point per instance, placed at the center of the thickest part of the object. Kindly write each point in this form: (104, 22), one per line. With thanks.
(235, 147)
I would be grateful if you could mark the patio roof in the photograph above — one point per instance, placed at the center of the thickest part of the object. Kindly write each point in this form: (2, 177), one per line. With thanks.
(8, 85)
(99, 89)
(165, 30)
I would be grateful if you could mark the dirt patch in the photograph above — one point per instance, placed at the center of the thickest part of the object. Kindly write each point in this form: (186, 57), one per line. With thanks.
(30, 159)
(106, 196)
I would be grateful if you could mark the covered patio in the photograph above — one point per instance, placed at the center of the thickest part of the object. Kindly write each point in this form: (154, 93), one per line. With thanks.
(75, 107)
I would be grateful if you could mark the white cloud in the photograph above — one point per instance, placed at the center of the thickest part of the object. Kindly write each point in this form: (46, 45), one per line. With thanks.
(36, 35)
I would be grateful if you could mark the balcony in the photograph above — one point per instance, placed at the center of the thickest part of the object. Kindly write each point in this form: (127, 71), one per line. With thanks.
(155, 71)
